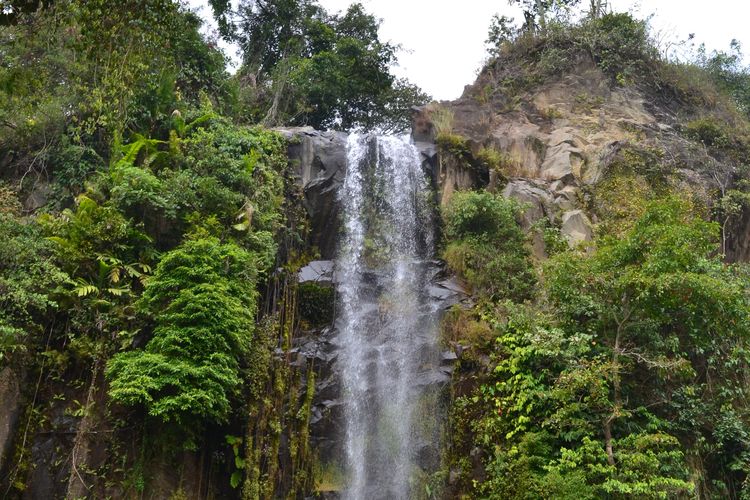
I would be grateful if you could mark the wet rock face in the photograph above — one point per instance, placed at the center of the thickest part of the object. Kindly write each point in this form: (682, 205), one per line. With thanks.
(319, 159)
(10, 395)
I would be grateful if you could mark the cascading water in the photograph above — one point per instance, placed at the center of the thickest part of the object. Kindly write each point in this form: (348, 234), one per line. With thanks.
(387, 334)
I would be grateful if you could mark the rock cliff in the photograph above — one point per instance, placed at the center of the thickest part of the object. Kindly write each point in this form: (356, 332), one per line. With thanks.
(560, 140)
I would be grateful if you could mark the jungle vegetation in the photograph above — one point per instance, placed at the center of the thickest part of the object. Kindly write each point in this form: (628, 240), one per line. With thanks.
(147, 209)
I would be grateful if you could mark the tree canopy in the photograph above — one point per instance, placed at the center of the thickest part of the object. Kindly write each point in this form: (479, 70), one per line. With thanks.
(308, 67)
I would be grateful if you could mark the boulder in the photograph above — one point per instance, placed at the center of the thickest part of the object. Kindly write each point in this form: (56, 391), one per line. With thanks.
(317, 271)
(538, 205)
(576, 227)
(537, 201)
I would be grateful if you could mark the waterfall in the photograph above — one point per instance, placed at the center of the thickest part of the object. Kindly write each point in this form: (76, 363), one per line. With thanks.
(387, 333)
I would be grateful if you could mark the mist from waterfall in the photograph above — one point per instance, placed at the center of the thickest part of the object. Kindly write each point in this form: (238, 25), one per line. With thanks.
(387, 328)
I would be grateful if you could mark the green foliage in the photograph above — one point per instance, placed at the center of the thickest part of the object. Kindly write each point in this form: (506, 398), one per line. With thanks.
(486, 246)
(218, 170)
(454, 145)
(727, 71)
(482, 215)
(504, 164)
(29, 278)
(79, 76)
(202, 296)
(617, 43)
(535, 12)
(316, 303)
(634, 176)
(116, 109)
(314, 68)
(621, 46)
(720, 138)
(239, 463)
(566, 410)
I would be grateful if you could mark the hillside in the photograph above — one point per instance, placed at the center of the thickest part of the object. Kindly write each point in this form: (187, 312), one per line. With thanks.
(250, 286)
(591, 362)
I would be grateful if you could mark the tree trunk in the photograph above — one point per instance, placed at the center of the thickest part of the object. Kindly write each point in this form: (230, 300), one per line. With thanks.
(615, 376)
(541, 12)
(608, 441)
(272, 115)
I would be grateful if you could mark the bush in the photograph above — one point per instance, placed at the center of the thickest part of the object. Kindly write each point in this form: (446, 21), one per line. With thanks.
(486, 246)
(617, 43)
(482, 215)
(28, 280)
(203, 296)
(709, 132)
(620, 46)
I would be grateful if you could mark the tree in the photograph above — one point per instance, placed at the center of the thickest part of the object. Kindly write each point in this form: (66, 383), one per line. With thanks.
(535, 11)
(308, 67)
(487, 247)
(660, 305)
(727, 69)
(29, 278)
(613, 387)
(597, 8)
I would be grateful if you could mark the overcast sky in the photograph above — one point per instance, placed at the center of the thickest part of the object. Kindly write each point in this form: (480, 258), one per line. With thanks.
(443, 40)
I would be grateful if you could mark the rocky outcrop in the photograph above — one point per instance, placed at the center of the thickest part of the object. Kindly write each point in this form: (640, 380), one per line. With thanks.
(576, 227)
(560, 140)
(319, 160)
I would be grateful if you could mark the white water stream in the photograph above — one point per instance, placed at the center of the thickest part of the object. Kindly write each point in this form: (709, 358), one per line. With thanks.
(387, 333)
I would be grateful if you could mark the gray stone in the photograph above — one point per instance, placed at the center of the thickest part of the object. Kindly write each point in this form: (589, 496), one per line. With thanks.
(538, 201)
(538, 205)
(561, 161)
(576, 227)
(318, 271)
(319, 159)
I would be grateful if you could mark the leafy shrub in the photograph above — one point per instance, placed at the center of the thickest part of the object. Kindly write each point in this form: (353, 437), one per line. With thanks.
(617, 43)
(486, 246)
(29, 278)
(726, 69)
(454, 145)
(722, 138)
(482, 215)
(203, 298)
(710, 132)
(621, 47)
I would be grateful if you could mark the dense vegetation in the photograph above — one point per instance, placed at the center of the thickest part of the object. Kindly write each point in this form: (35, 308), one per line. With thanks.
(618, 368)
(151, 230)
(608, 386)
(144, 207)
(317, 68)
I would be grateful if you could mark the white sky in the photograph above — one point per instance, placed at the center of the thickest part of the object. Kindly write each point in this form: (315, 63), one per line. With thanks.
(443, 40)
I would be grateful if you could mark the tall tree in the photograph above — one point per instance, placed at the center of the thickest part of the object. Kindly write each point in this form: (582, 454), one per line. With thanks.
(304, 66)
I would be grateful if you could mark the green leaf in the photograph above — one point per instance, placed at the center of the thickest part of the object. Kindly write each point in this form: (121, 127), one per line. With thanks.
(235, 479)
